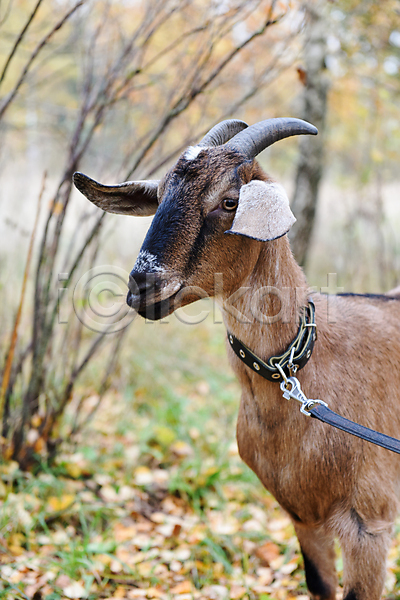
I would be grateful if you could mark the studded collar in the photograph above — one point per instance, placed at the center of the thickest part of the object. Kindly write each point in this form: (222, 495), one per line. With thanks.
(295, 357)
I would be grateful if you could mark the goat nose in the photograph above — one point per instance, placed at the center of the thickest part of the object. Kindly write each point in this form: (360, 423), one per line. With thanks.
(141, 283)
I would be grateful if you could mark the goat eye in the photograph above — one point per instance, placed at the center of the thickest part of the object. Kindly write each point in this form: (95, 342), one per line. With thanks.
(229, 204)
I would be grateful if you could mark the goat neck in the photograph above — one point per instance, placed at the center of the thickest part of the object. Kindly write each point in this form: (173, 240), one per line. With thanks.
(264, 312)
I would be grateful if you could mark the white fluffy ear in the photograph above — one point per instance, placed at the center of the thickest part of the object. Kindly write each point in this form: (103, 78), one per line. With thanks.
(263, 213)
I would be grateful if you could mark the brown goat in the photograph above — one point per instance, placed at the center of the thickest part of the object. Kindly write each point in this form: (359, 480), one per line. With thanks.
(217, 212)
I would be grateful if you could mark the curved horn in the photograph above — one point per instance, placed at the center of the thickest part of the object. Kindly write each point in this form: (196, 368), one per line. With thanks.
(259, 136)
(222, 132)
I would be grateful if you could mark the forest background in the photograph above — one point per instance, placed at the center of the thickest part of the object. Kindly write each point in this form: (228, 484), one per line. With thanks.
(120, 476)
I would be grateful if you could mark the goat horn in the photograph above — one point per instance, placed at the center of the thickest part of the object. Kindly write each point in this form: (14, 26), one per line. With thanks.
(259, 136)
(222, 132)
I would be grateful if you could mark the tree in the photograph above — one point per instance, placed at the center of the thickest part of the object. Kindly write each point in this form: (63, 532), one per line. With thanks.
(121, 80)
(311, 150)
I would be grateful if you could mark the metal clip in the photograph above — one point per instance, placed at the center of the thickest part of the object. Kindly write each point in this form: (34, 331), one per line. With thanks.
(296, 393)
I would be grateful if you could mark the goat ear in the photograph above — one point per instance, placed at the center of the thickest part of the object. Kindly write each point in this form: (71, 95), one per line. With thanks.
(138, 198)
(263, 212)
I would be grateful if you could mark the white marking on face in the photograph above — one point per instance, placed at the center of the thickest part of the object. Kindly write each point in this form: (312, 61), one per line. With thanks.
(192, 152)
(147, 263)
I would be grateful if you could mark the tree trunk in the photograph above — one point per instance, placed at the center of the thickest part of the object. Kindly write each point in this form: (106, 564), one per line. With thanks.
(310, 163)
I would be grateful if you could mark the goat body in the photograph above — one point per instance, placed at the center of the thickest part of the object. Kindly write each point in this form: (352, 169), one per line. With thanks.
(331, 484)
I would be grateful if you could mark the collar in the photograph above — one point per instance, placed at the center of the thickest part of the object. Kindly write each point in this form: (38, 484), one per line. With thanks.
(294, 358)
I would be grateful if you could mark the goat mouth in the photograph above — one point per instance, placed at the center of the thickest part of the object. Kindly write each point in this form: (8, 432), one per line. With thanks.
(153, 311)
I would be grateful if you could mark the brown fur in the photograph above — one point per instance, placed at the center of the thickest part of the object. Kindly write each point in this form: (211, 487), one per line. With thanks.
(331, 484)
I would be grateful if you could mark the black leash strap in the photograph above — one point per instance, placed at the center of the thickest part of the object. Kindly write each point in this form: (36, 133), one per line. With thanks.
(326, 415)
(319, 410)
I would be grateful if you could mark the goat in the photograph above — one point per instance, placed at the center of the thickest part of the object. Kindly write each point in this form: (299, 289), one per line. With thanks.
(216, 211)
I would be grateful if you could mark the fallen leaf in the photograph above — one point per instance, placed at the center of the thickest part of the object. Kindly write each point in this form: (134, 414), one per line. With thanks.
(181, 448)
(75, 590)
(143, 476)
(57, 504)
(267, 552)
(236, 592)
(63, 581)
(184, 587)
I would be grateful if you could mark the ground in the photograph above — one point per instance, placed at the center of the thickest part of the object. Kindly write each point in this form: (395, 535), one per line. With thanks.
(151, 500)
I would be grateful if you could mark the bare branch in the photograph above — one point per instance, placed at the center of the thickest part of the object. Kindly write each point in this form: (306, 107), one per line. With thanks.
(34, 54)
(19, 39)
(191, 93)
(105, 384)
(14, 335)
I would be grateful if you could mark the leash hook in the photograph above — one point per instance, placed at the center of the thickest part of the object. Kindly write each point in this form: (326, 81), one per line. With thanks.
(295, 392)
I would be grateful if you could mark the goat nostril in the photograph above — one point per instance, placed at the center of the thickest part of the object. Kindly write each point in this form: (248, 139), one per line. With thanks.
(141, 283)
(133, 286)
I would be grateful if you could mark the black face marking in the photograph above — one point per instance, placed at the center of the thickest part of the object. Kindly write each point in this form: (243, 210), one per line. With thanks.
(185, 222)
(315, 583)
(166, 225)
(180, 215)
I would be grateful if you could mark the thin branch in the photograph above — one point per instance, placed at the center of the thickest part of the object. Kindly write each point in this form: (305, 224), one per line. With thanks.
(19, 40)
(105, 384)
(77, 371)
(187, 97)
(34, 54)
(14, 335)
(254, 90)
(92, 234)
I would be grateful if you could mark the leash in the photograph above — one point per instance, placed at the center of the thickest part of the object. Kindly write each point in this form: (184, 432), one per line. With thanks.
(283, 368)
(320, 410)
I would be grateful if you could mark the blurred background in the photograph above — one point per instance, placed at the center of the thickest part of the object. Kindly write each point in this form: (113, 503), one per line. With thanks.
(94, 401)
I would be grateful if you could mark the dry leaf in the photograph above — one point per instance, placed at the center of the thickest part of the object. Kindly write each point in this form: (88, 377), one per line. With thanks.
(181, 448)
(184, 587)
(75, 590)
(57, 504)
(236, 592)
(267, 552)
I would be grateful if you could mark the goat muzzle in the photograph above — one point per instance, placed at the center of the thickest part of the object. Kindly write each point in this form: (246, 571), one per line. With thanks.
(150, 295)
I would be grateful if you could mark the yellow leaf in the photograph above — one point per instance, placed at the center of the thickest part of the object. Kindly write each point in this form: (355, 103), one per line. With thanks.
(164, 435)
(60, 503)
(36, 421)
(3, 490)
(377, 156)
(181, 448)
(120, 592)
(153, 592)
(73, 470)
